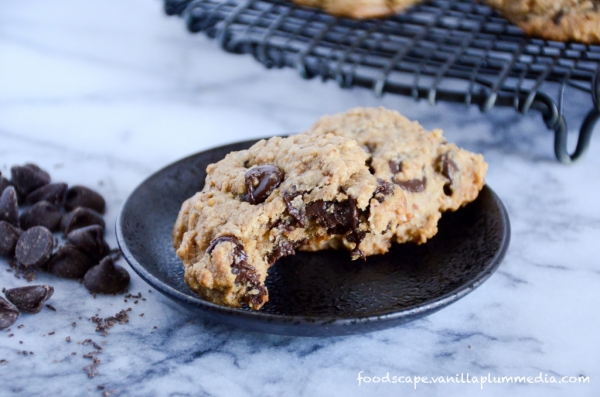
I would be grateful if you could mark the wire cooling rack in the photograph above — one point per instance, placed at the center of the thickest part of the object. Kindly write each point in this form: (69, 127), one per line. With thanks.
(452, 50)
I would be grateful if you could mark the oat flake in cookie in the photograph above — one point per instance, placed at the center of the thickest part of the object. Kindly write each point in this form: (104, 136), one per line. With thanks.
(561, 20)
(263, 203)
(435, 175)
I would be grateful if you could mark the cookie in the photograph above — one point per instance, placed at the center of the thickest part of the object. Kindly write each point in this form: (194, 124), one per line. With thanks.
(561, 20)
(359, 9)
(263, 203)
(435, 175)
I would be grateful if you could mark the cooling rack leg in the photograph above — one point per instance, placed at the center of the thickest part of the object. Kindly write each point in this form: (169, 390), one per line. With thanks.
(583, 142)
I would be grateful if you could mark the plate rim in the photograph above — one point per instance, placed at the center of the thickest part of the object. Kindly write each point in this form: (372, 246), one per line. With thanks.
(437, 303)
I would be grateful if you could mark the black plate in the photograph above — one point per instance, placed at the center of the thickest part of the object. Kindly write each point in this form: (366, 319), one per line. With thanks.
(324, 293)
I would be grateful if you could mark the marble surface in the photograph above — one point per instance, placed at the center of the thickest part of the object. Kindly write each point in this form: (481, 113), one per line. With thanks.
(105, 93)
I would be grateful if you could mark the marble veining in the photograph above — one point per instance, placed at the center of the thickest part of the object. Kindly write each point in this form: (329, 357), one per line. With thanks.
(106, 93)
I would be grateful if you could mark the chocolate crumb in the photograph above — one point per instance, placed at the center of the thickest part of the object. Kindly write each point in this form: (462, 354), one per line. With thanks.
(11, 335)
(3, 362)
(51, 333)
(73, 354)
(51, 307)
(142, 315)
(20, 326)
(68, 339)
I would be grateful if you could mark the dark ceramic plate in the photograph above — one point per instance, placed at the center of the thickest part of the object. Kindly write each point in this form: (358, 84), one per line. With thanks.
(323, 293)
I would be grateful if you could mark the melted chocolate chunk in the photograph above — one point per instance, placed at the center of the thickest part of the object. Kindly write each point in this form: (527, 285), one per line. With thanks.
(245, 273)
(81, 196)
(395, 166)
(8, 314)
(9, 235)
(260, 183)
(338, 217)
(448, 169)
(34, 247)
(9, 206)
(285, 248)
(29, 299)
(106, 278)
(53, 193)
(413, 185)
(384, 189)
(296, 213)
(41, 213)
(29, 177)
(80, 217)
(369, 163)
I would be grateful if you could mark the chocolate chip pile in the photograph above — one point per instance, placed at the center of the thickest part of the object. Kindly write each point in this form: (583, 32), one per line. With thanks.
(26, 238)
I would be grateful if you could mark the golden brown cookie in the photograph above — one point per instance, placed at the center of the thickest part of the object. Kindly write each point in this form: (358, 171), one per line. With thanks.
(561, 20)
(359, 9)
(263, 203)
(435, 175)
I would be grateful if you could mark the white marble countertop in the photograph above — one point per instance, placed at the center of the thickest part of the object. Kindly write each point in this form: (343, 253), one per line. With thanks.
(105, 93)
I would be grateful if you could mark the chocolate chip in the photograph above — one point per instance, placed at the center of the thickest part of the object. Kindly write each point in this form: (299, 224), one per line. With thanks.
(34, 247)
(448, 168)
(395, 166)
(9, 206)
(90, 239)
(557, 18)
(4, 183)
(106, 278)
(245, 273)
(8, 314)
(297, 213)
(334, 215)
(369, 164)
(384, 189)
(285, 248)
(339, 218)
(70, 262)
(41, 213)
(260, 183)
(81, 196)
(54, 193)
(412, 185)
(29, 177)
(9, 235)
(80, 217)
(29, 299)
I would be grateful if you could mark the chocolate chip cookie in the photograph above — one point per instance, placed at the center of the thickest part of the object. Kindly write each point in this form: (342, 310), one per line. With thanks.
(562, 20)
(359, 9)
(435, 175)
(260, 204)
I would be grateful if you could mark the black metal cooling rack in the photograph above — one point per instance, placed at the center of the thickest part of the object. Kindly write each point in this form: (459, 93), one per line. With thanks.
(452, 50)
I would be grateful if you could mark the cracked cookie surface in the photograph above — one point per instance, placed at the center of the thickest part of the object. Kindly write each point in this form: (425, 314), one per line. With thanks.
(561, 20)
(265, 202)
(435, 175)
